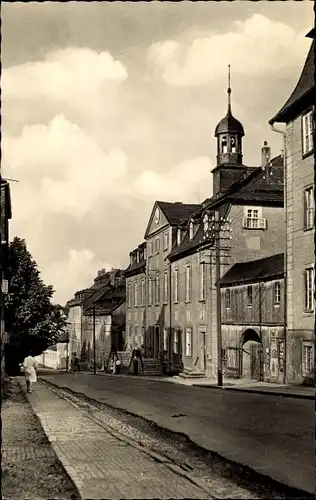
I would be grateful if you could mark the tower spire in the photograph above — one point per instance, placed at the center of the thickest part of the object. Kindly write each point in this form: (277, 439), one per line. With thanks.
(229, 91)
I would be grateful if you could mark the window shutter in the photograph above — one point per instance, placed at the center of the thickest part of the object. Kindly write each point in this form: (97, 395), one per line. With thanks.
(305, 209)
(306, 288)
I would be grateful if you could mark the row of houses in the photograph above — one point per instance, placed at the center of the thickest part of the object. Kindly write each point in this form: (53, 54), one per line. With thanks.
(96, 324)
(226, 285)
(263, 220)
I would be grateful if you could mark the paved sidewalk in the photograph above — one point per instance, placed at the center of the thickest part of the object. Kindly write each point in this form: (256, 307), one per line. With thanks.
(101, 465)
(29, 467)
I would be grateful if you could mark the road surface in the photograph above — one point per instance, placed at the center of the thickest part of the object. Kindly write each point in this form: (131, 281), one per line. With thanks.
(274, 436)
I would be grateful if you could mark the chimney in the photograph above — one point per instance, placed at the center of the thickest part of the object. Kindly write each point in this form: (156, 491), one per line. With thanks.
(265, 155)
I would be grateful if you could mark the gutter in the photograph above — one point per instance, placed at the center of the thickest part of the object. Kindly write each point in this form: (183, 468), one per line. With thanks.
(279, 131)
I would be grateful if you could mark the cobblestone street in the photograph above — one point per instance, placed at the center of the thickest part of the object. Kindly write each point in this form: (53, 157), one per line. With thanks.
(100, 464)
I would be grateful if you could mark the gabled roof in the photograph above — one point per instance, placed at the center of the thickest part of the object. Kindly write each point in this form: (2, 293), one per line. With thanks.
(137, 268)
(303, 89)
(187, 246)
(256, 270)
(258, 186)
(96, 296)
(108, 301)
(176, 213)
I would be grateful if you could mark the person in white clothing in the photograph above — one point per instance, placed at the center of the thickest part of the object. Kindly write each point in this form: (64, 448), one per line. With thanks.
(30, 366)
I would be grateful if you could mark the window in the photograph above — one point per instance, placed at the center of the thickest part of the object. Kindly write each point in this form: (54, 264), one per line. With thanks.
(202, 281)
(165, 287)
(165, 241)
(249, 296)
(309, 289)
(157, 288)
(157, 244)
(307, 358)
(165, 339)
(188, 283)
(150, 292)
(309, 208)
(176, 341)
(135, 294)
(233, 144)
(137, 257)
(277, 293)
(178, 236)
(231, 355)
(227, 298)
(176, 285)
(224, 144)
(307, 133)
(205, 223)
(150, 248)
(253, 217)
(130, 295)
(142, 292)
(188, 341)
(142, 336)
(191, 228)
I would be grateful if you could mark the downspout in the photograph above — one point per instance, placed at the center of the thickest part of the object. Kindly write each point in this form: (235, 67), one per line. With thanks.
(279, 131)
(170, 318)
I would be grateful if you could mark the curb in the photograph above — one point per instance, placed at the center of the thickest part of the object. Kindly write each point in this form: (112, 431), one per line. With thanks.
(298, 492)
(258, 391)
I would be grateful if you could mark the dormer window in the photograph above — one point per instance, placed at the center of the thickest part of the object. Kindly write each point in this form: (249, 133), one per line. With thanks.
(178, 236)
(224, 145)
(191, 230)
(137, 257)
(205, 223)
(233, 144)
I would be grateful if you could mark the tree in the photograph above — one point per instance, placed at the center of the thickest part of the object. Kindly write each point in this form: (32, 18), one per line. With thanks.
(32, 320)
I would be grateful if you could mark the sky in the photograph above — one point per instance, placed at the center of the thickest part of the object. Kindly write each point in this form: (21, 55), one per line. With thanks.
(107, 107)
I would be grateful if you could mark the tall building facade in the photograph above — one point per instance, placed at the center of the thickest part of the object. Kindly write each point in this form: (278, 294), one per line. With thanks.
(298, 114)
(179, 315)
(5, 216)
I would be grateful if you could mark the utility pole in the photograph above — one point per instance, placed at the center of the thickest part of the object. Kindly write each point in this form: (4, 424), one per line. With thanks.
(218, 301)
(93, 325)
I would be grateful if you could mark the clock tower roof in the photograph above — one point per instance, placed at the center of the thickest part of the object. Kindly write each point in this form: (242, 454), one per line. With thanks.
(229, 124)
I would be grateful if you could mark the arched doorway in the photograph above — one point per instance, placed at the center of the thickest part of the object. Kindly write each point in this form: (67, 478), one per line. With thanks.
(251, 359)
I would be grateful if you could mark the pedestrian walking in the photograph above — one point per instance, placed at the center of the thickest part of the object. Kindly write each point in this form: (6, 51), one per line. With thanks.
(30, 367)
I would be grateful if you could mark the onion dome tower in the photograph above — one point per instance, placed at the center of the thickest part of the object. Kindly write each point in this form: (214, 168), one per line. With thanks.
(229, 133)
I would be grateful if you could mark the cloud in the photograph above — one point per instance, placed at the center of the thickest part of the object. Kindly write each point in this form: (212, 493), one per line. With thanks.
(70, 186)
(69, 171)
(257, 45)
(66, 74)
(194, 175)
(76, 272)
